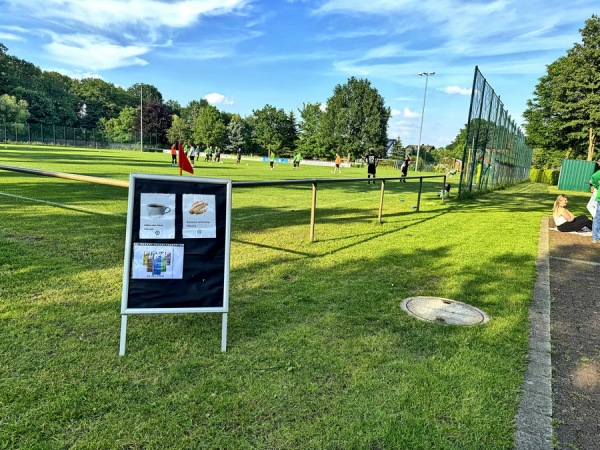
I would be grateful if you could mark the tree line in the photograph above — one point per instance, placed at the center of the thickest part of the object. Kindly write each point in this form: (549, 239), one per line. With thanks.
(561, 120)
(353, 120)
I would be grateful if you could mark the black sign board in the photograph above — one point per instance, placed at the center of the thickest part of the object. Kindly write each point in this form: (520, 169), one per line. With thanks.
(177, 247)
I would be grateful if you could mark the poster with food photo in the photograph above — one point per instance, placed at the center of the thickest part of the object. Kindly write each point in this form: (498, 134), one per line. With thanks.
(157, 216)
(199, 218)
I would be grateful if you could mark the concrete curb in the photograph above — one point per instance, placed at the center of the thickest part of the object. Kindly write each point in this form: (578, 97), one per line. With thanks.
(534, 417)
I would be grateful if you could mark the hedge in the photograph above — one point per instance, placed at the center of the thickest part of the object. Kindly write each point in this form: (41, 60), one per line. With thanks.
(546, 176)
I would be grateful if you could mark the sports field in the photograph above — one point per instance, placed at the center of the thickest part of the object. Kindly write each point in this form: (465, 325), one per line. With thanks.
(320, 354)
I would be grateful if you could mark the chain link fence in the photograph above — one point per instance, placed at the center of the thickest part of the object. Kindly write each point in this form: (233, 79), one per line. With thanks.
(495, 153)
(75, 137)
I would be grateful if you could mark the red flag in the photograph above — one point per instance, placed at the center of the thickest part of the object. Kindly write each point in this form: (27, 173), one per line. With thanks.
(184, 162)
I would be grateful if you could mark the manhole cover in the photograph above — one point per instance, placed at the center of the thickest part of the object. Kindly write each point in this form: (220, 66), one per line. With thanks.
(443, 311)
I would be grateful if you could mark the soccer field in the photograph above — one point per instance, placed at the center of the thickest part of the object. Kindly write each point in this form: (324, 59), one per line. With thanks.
(320, 354)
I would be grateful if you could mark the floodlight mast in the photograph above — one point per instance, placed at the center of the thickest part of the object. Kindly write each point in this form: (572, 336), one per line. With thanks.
(141, 119)
(426, 75)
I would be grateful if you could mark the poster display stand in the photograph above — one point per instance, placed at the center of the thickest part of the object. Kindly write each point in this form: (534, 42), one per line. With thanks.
(177, 248)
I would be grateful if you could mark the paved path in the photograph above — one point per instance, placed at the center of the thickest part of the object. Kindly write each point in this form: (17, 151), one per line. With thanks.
(563, 387)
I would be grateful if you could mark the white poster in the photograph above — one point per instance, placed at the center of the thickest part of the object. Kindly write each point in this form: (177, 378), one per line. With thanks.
(199, 218)
(159, 261)
(157, 216)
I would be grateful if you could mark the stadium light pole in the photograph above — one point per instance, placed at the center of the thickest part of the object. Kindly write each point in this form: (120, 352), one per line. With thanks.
(141, 119)
(426, 75)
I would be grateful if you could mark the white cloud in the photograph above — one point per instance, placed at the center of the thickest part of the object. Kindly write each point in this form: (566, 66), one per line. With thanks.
(455, 90)
(378, 7)
(518, 40)
(94, 52)
(334, 34)
(410, 114)
(404, 129)
(10, 37)
(118, 32)
(111, 14)
(396, 112)
(77, 74)
(218, 99)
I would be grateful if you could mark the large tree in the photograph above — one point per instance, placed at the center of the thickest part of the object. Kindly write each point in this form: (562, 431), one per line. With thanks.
(48, 94)
(356, 118)
(237, 134)
(17, 73)
(57, 88)
(564, 114)
(209, 128)
(147, 92)
(178, 130)
(13, 110)
(191, 111)
(155, 119)
(311, 142)
(98, 99)
(120, 129)
(274, 130)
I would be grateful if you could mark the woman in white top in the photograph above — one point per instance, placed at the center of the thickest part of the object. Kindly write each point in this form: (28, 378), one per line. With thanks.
(564, 220)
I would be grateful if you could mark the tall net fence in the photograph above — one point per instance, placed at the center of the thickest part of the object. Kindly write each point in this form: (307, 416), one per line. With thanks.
(76, 137)
(495, 152)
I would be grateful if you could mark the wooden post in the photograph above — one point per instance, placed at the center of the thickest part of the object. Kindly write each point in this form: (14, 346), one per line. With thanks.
(420, 189)
(381, 200)
(312, 211)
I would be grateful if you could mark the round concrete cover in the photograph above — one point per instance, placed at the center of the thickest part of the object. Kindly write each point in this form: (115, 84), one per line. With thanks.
(443, 311)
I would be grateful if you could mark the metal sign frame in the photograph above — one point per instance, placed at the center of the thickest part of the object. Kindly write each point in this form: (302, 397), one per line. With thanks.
(177, 248)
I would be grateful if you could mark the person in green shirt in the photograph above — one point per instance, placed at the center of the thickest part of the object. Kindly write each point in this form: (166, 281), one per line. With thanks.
(297, 160)
(595, 181)
(272, 160)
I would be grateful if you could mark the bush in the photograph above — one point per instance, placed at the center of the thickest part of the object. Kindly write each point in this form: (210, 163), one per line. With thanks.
(546, 176)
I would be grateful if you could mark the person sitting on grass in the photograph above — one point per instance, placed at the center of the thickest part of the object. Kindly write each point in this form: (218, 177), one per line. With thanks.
(565, 220)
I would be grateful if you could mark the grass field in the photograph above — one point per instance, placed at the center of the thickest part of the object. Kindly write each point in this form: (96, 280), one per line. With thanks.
(320, 354)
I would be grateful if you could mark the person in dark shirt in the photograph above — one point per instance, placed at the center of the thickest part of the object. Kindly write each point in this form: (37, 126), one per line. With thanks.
(404, 167)
(372, 161)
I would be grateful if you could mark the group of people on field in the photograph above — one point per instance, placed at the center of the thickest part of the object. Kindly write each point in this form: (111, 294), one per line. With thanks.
(211, 154)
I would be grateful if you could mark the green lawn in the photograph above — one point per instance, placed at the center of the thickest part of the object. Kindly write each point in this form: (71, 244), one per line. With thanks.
(320, 354)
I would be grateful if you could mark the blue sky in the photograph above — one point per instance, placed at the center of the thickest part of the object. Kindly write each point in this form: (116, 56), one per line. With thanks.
(243, 54)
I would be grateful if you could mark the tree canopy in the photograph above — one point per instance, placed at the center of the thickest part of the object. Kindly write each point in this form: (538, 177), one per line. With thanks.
(312, 142)
(13, 110)
(564, 114)
(356, 118)
(209, 128)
